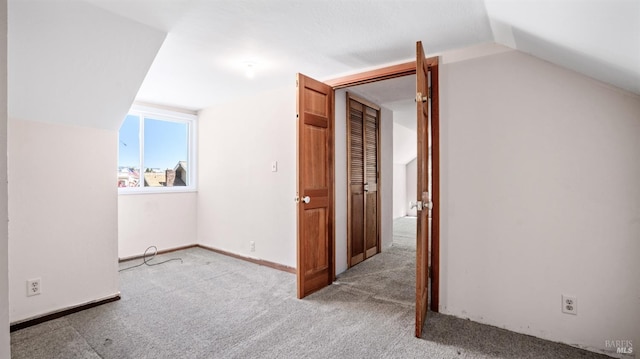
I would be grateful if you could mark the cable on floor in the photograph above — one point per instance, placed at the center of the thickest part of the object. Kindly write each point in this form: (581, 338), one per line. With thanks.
(146, 260)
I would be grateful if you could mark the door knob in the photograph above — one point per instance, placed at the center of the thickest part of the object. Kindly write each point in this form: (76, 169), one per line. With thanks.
(420, 206)
(306, 199)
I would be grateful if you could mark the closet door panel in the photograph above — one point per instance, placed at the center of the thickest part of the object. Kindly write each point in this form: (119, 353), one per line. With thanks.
(363, 176)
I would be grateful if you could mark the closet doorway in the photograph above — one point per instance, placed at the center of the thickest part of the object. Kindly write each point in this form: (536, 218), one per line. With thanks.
(363, 178)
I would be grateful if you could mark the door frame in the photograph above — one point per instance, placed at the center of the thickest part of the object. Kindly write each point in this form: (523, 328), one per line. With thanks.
(349, 97)
(400, 70)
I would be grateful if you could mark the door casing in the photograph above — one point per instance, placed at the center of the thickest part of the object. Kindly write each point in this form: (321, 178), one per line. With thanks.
(400, 70)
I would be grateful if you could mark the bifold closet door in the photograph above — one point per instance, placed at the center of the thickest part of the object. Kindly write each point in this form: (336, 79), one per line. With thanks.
(363, 178)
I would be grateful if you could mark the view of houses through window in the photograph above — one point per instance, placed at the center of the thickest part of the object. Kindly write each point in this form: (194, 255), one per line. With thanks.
(154, 151)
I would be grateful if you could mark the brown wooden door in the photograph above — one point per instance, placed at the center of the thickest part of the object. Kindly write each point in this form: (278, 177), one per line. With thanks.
(422, 245)
(315, 172)
(363, 162)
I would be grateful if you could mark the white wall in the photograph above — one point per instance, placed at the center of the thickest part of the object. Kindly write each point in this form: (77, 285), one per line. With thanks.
(341, 179)
(405, 150)
(386, 172)
(235, 153)
(399, 190)
(164, 220)
(239, 198)
(73, 72)
(540, 173)
(412, 186)
(4, 240)
(62, 216)
(405, 147)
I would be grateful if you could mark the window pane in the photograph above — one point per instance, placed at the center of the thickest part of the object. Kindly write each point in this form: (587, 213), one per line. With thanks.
(165, 153)
(129, 152)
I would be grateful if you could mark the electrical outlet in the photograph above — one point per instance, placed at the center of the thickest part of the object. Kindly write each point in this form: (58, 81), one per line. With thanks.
(569, 304)
(252, 246)
(33, 287)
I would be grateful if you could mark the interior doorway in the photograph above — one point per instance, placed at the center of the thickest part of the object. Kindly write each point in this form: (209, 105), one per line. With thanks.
(428, 140)
(396, 97)
(316, 115)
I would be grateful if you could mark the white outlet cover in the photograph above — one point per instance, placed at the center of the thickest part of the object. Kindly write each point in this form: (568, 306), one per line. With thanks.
(34, 287)
(569, 304)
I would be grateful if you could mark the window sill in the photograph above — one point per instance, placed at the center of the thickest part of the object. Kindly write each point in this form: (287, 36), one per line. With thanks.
(153, 190)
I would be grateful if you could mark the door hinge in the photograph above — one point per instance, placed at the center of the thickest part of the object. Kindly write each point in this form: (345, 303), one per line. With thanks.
(429, 92)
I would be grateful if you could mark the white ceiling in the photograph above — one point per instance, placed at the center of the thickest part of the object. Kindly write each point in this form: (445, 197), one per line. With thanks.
(395, 94)
(202, 59)
(599, 38)
(201, 62)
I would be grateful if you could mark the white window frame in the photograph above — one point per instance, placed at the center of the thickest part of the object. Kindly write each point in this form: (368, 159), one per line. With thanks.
(172, 116)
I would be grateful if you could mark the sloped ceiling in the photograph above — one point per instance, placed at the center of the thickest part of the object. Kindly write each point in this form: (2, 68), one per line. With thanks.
(203, 59)
(73, 63)
(599, 38)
